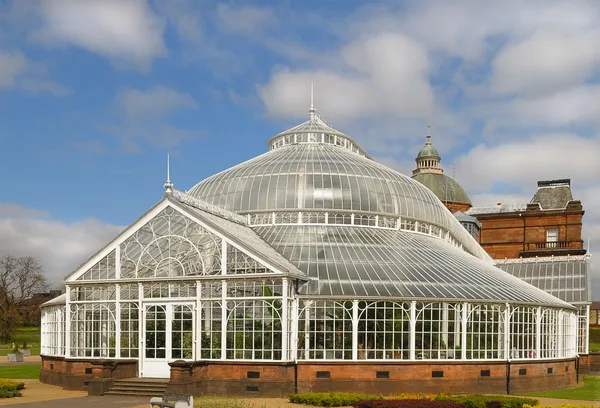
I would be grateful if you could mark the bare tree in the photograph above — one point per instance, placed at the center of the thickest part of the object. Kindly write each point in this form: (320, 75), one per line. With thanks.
(20, 279)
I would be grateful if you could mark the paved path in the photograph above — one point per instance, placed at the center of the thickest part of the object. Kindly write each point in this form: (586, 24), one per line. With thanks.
(29, 360)
(112, 401)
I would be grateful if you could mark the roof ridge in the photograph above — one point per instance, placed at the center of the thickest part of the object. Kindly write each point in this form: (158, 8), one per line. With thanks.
(210, 208)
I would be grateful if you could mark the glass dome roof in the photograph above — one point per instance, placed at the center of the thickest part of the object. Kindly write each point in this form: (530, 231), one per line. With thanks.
(314, 169)
(317, 176)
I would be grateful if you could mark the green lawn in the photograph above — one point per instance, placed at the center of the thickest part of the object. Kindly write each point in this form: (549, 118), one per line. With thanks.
(589, 391)
(594, 338)
(21, 371)
(29, 334)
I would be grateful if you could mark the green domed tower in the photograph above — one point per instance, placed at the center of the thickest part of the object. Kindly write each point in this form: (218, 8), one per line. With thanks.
(431, 175)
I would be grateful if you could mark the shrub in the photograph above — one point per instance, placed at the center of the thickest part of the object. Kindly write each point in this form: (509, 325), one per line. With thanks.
(488, 401)
(9, 389)
(408, 403)
(560, 406)
(331, 399)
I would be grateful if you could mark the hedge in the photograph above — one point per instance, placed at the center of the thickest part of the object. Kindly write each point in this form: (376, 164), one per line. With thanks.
(408, 403)
(560, 406)
(488, 401)
(336, 399)
(331, 399)
(9, 389)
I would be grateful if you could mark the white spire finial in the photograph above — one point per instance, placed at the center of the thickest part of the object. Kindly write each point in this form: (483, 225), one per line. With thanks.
(168, 185)
(312, 110)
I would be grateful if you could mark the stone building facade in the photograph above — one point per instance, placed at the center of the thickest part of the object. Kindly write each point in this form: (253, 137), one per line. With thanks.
(549, 225)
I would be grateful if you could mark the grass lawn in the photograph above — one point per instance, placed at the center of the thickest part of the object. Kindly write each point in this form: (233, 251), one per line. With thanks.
(594, 338)
(29, 334)
(589, 391)
(21, 371)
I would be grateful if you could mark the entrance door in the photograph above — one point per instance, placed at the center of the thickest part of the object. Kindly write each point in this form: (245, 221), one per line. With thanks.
(168, 336)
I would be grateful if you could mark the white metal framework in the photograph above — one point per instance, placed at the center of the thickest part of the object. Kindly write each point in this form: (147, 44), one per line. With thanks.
(172, 289)
(312, 251)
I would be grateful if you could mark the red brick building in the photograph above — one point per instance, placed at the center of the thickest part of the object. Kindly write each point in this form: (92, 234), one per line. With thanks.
(549, 225)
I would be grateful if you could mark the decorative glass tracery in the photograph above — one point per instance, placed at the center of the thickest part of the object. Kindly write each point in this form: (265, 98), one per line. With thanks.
(170, 245)
(93, 330)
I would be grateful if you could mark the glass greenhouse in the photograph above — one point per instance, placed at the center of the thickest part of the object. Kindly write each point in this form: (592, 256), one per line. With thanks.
(311, 251)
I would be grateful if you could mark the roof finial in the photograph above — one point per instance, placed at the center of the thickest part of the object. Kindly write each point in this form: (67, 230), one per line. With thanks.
(312, 110)
(168, 185)
(428, 142)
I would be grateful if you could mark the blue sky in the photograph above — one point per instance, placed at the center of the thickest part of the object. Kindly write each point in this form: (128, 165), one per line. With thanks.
(93, 94)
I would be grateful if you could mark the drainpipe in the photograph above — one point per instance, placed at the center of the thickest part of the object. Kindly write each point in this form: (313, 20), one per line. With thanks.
(508, 376)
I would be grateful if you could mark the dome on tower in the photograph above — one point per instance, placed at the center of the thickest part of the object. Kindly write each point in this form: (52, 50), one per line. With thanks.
(430, 173)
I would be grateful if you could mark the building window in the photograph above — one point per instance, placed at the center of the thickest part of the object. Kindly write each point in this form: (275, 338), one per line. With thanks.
(551, 237)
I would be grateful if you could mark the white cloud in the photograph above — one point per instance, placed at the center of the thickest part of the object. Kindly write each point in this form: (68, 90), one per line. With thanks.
(12, 64)
(155, 102)
(59, 246)
(121, 30)
(545, 61)
(144, 116)
(492, 199)
(517, 166)
(17, 72)
(245, 19)
(521, 163)
(385, 75)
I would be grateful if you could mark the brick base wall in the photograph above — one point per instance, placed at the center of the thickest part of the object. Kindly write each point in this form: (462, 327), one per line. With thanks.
(280, 379)
(589, 362)
(77, 374)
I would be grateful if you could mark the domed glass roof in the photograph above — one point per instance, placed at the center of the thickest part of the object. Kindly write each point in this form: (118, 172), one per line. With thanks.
(309, 197)
(324, 177)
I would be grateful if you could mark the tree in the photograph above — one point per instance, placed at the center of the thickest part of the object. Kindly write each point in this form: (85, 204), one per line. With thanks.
(20, 279)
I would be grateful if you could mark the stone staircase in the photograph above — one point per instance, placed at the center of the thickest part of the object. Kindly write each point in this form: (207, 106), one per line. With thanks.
(151, 387)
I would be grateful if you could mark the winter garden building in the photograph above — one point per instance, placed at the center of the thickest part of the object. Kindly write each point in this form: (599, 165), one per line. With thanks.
(309, 267)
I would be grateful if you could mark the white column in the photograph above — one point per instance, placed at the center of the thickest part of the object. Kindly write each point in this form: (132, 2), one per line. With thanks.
(141, 328)
(355, 330)
(560, 333)
(586, 338)
(413, 329)
(444, 320)
(198, 314)
(118, 321)
(464, 319)
(507, 333)
(223, 319)
(43, 332)
(294, 343)
(285, 324)
(68, 321)
(307, 310)
(538, 332)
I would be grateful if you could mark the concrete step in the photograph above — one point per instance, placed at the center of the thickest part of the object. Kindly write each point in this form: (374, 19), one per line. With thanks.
(143, 394)
(139, 386)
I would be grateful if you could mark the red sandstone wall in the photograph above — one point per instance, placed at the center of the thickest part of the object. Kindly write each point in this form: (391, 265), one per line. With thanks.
(589, 363)
(506, 235)
(278, 379)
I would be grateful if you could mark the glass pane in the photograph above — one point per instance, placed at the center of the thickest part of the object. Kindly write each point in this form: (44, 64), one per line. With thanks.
(182, 332)
(156, 336)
